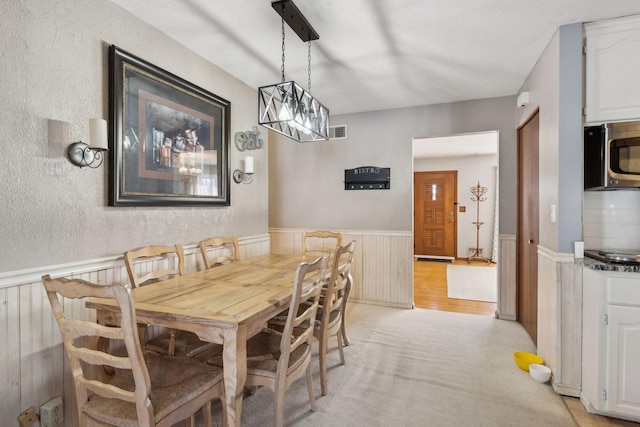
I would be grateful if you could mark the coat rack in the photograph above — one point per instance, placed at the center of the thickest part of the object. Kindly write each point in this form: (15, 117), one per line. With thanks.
(478, 192)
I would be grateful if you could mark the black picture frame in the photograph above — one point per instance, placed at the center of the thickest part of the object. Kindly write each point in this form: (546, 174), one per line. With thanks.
(169, 143)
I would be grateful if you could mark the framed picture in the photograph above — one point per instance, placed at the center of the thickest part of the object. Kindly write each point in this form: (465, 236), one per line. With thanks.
(170, 138)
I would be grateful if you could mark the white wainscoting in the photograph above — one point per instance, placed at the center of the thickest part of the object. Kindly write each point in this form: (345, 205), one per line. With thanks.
(33, 366)
(507, 277)
(560, 319)
(383, 263)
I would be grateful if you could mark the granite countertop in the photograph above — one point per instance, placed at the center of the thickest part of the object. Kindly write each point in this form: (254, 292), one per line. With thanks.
(594, 264)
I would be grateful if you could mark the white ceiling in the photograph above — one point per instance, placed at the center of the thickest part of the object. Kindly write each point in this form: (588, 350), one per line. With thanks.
(470, 144)
(375, 54)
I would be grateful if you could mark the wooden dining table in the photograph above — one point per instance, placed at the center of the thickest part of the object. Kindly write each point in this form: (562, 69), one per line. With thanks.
(227, 304)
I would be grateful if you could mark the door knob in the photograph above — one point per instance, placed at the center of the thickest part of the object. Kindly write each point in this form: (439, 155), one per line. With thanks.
(530, 240)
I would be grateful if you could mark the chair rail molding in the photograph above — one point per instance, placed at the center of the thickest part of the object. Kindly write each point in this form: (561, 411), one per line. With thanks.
(250, 246)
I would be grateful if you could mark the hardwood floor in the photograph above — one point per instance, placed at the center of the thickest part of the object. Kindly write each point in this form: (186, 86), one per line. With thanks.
(430, 291)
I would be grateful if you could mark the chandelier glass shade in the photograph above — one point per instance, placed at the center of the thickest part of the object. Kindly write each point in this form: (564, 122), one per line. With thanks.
(292, 111)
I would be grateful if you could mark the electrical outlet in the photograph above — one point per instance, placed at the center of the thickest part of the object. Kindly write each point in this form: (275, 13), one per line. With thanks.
(28, 418)
(51, 413)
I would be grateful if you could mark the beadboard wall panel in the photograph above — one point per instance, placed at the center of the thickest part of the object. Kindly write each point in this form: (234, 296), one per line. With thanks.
(560, 319)
(570, 379)
(9, 363)
(507, 277)
(383, 264)
(33, 364)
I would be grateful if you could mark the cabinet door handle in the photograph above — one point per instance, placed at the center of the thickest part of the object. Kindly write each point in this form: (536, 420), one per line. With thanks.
(530, 240)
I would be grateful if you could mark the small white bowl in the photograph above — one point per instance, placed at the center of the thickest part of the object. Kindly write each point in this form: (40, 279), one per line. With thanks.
(540, 373)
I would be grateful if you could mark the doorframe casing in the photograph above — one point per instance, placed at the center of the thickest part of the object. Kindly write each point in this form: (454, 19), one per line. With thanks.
(518, 234)
(505, 280)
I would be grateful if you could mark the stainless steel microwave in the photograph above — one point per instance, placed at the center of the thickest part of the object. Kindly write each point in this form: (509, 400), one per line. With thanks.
(612, 156)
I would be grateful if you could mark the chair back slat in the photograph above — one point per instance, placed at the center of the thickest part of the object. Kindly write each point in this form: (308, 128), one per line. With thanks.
(138, 277)
(320, 241)
(219, 250)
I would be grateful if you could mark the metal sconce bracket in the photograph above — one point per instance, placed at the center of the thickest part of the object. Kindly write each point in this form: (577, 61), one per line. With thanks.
(245, 176)
(239, 176)
(80, 154)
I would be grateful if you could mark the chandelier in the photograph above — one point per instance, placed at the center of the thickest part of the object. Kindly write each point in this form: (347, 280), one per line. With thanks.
(286, 107)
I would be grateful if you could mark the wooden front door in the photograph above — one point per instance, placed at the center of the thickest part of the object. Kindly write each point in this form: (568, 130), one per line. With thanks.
(435, 216)
(527, 233)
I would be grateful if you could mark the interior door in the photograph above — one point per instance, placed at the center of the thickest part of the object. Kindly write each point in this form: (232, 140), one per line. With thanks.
(527, 233)
(435, 216)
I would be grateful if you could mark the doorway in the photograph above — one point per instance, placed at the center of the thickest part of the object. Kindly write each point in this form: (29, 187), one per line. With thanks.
(527, 227)
(472, 158)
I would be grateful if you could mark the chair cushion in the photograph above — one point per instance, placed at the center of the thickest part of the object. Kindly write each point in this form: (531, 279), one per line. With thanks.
(185, 344)
(280, 319)
(174, 382)
(263, 353)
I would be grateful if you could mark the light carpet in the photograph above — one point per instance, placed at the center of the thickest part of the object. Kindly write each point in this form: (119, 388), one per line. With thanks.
(472, 282)
(420, 368)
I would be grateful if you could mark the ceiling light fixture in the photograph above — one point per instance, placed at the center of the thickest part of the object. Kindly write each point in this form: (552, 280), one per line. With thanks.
(285, 107)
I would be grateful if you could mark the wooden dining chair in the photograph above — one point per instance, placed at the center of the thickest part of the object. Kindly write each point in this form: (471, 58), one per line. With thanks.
(330, 318)
(320, 241)
(149, 390)
(219, 250)
(276, 359)
(331, 313)
(171, 342)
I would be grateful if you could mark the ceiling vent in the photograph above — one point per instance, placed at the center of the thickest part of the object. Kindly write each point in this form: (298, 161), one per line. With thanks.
(338, 132)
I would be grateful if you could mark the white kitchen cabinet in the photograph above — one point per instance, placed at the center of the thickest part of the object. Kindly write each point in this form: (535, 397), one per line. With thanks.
(611, 343)
(612, 69)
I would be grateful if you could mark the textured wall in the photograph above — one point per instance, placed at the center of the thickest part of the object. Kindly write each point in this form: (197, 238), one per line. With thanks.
(54, 67)
(380, 138)
(555, 87)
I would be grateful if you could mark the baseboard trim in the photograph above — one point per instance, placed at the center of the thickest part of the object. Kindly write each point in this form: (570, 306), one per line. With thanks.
(437, 258)
(507, 317)
(381, 303)
(566, 389)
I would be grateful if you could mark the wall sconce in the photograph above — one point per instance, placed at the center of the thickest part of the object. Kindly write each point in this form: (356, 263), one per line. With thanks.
(81, 154)
(246, 176)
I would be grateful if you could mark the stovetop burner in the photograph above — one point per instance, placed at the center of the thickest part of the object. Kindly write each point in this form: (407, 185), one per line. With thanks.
(625, 256)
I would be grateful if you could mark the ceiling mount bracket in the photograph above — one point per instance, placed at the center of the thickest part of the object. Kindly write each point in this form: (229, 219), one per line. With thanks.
(295, 19)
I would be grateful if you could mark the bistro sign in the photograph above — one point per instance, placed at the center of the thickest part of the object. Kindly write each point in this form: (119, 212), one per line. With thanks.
(367, 178)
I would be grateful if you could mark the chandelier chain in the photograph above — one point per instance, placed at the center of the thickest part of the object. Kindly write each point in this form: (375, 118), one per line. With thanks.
(309, 66)
(282, 67)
